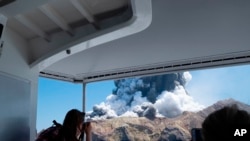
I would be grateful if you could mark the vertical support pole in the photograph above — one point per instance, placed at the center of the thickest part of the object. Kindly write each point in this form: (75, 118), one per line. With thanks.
(84, 96)
(84, 102)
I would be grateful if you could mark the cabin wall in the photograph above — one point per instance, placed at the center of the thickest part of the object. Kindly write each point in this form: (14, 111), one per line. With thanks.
(18, 89)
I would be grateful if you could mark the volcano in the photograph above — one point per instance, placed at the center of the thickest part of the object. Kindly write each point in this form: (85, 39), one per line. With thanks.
(158, 128)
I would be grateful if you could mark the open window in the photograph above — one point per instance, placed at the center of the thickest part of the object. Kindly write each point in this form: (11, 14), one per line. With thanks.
(152, 107)
(165, 106)
(55, 99)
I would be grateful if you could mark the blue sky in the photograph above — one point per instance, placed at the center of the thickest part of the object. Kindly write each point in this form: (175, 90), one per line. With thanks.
(97, 92)
(210, 85)
(56, 97)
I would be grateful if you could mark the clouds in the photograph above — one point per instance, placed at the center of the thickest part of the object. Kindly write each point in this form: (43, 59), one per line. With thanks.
(163, 95)
(172, 104)
(187, 77)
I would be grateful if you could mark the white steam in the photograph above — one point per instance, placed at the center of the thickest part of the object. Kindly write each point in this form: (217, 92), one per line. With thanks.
(172, 104)
(129, 102)
(187, 76)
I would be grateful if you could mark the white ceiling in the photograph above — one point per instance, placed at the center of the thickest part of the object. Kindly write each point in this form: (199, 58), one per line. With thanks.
(183, 34)
(50, 25)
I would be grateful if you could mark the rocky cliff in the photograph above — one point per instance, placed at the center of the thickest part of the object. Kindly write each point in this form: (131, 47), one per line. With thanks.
(156, 129)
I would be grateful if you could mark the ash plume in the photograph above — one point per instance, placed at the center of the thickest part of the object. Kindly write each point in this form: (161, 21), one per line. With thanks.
(153, 96)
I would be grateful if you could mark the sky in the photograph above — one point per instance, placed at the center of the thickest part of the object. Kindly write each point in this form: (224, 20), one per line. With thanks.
(210, 85)
(207, 86)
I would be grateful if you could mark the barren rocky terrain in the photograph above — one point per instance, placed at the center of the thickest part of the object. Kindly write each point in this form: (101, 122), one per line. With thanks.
(157, 129)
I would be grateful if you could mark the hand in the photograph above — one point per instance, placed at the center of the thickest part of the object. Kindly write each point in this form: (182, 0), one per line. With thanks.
(88, 129)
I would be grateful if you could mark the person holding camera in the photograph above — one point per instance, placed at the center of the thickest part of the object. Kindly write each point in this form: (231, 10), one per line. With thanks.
(73, 127)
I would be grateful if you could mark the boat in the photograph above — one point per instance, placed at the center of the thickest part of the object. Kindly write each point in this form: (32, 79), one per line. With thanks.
(84, 41)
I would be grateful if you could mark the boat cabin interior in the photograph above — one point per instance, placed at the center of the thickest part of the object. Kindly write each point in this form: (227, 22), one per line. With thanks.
(83, 41)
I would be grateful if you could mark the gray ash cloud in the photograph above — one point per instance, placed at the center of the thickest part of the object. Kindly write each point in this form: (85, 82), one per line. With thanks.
(162, 95)
(150, 87)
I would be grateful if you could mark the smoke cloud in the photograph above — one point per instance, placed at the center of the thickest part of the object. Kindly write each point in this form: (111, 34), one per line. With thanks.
(154, 96)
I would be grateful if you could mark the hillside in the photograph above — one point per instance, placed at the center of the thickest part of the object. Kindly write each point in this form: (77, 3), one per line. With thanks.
(163, 129)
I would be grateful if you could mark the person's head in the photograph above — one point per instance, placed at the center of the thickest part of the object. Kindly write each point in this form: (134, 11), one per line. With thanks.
(73, 121)
(220, 124)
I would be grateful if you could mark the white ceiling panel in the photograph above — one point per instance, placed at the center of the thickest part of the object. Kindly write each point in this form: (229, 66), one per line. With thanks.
(183, 35)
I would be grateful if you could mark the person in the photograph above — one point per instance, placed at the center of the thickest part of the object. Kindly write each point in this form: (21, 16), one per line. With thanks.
(222, 125)
(73, 127)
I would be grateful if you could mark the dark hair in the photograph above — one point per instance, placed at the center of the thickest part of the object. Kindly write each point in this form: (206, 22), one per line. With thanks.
(220, 124)
(71, 121)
